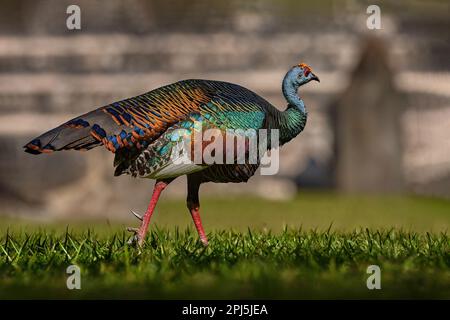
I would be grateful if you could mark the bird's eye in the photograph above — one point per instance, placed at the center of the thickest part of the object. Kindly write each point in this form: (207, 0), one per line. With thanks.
(307, 71)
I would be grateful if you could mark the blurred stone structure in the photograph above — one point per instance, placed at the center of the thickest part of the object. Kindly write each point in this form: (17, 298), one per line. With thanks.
(49, 74)
(367, 126)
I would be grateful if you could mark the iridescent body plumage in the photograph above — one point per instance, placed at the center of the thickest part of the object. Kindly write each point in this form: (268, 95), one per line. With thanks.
(142, 131)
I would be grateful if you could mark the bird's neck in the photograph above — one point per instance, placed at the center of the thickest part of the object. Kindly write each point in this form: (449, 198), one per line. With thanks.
(292, 121)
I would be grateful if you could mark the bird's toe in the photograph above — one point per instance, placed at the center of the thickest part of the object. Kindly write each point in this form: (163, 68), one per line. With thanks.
(135, 239)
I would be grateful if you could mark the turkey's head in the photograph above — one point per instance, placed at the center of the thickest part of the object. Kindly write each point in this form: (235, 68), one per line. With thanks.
(301, 74)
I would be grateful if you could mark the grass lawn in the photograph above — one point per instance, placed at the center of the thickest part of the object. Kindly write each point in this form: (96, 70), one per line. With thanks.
(318, 245)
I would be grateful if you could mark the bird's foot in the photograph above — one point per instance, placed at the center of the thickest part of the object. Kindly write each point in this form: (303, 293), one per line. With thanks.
(137, 238)
(204, 242)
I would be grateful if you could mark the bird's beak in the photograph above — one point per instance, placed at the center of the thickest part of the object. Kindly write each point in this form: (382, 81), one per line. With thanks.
(314, 77)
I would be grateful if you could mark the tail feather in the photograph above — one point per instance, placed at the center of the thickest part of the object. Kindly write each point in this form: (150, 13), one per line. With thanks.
(126, 124)
(81, 133)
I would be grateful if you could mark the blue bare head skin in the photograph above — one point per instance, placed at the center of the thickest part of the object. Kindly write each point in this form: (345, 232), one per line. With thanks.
(297, 76)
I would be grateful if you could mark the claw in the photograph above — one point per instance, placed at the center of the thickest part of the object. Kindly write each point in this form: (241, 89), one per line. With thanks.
(136, 215)
(134, 239)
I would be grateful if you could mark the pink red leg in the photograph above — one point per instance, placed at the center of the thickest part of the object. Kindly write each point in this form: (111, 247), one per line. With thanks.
(193, 205)
(142, 231)
(195, 213)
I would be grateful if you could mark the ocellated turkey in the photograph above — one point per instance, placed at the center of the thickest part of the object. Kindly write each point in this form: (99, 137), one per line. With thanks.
(140, 131)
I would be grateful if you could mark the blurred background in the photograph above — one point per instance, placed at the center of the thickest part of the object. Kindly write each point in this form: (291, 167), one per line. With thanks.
(378, 126)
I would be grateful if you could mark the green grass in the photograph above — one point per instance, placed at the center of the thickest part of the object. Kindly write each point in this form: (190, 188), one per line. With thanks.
(316, 246)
